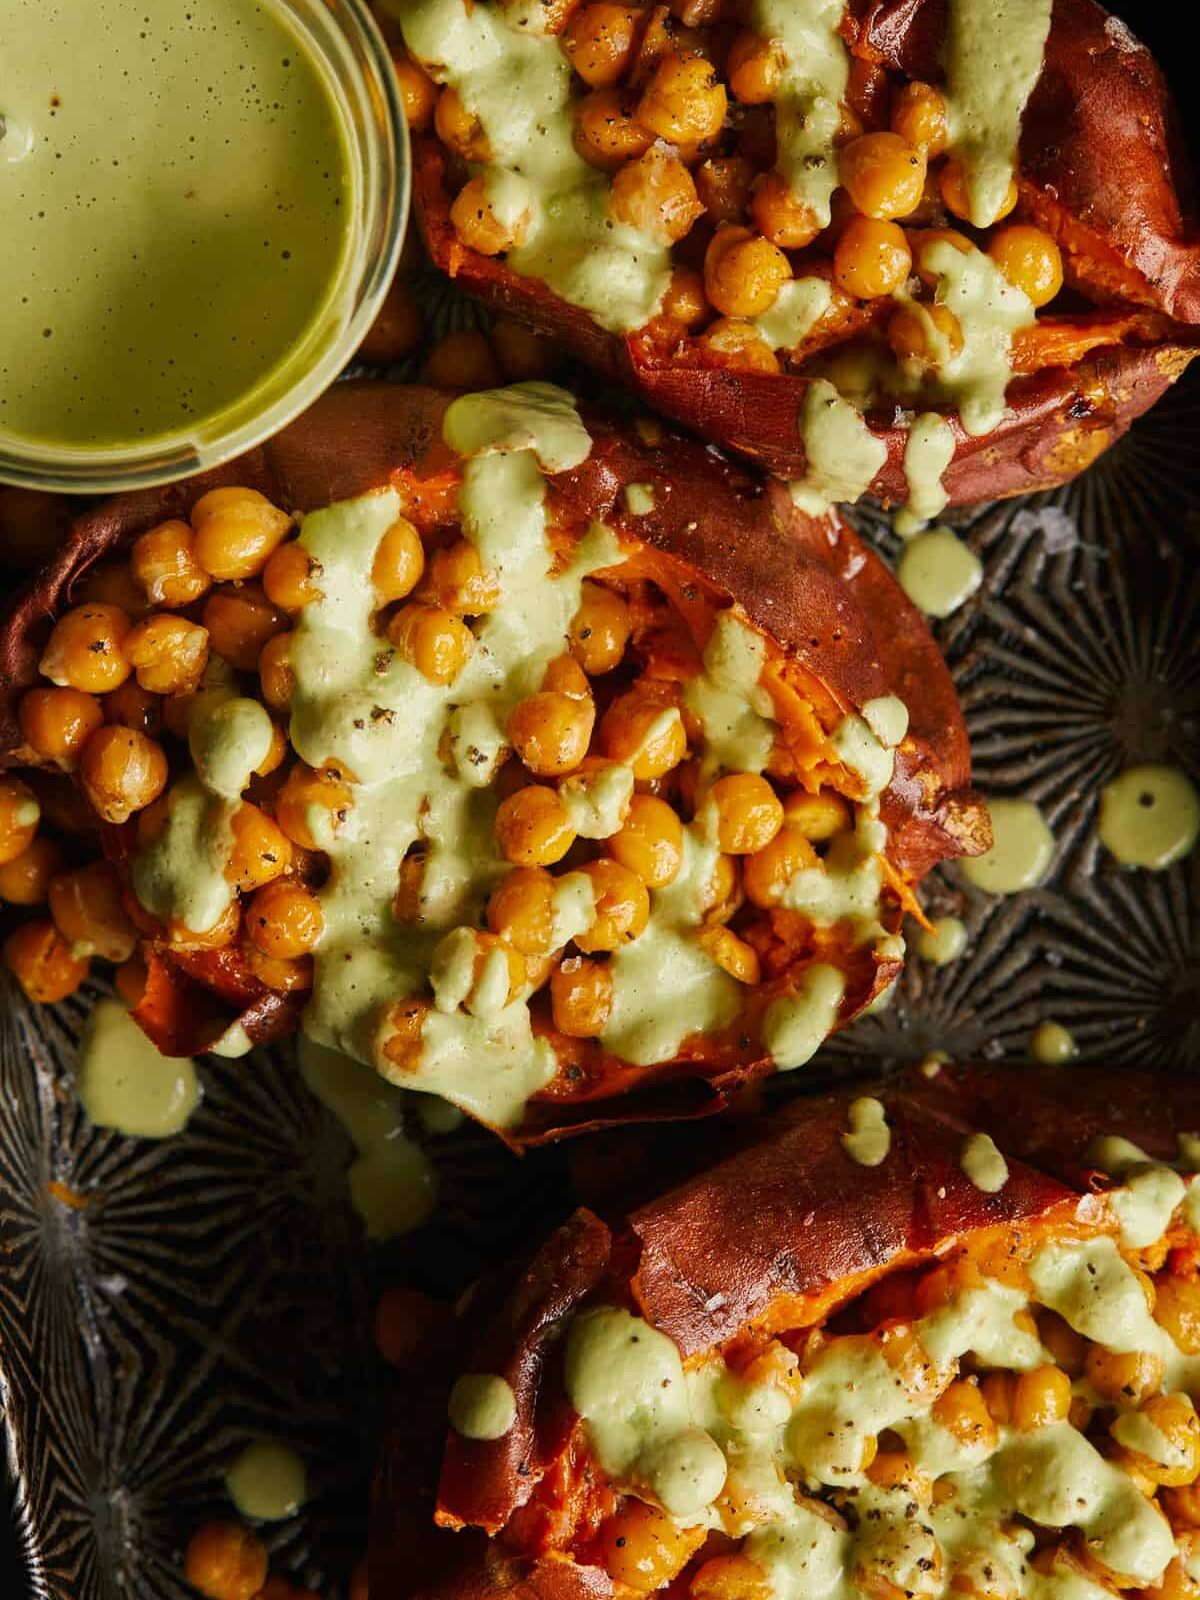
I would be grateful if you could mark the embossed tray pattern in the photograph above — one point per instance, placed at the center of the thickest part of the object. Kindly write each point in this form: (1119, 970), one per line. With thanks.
(161, 1303)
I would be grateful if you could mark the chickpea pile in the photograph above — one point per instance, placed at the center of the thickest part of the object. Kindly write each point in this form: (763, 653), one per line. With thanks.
(1083, 1384)
(203, 609)
(676, 105)
(194, 602)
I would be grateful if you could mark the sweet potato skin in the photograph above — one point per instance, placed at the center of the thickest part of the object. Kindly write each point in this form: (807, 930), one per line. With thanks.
(1099, 91)
(823, 1226)
(809, 582)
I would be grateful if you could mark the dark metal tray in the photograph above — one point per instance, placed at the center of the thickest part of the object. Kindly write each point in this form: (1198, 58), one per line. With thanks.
(162, 1303)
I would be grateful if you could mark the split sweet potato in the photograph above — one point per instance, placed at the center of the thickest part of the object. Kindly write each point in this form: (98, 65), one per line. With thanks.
(1102, 171)
(783, 1234)
(715, 533)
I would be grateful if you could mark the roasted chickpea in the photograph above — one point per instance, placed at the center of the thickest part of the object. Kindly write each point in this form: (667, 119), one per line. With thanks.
(737, 345)
(19, 817)
(398, 563)
(871, 258)
(642, 1548)
(1177, 1309)
(622, 906)
(235, 530)
(533, 828)
(168, 654)
(86, 649)
(304, 791)
(418, 92)
(927, 334)
(164, 566)
(521, 911)
(1040, 1397)
(606, 134)
(551, 732)
(723, 186)
(731, 954)
(88, 910)
(56, 723)
(1123, 1376)
(818, 816)
(564, 675)
(261, 851)
(684, 102)
(290, 576)
(952, 184)
(655, 193)
(600, 629)
(684, 304)
(135, 707)
(753, 68)
(743, 272)
(121, 771)
(1029, 259)
(883, 175)
(919, 117)
(276, 679)
(463, 360)
(768, 871)
(487, 218)
(285, 920)
(459, 129)
(581, 997)
(643, 730)
(650, 841)
(780, 215)
(599, 41)
(240, 619)
(25, 878)
(435, 642)
(896, 1469)
(43, 963)
(226, 1562)
(457, 579)
(962, 1410)
(731, 1577)
(749, 813)
(1173, 1417)
(292, 976)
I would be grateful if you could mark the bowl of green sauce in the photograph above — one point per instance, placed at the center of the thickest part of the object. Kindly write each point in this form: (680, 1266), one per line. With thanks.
(203, 202)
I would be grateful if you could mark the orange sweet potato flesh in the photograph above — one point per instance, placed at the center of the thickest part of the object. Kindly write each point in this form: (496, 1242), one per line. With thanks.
(809, 583)
(1102, 170)
(777, 1234)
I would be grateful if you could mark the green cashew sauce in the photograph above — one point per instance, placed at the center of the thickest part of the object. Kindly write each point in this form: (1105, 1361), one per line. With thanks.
(176, 190)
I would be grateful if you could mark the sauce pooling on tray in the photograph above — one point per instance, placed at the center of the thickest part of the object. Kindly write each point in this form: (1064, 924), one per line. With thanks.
(177, 201)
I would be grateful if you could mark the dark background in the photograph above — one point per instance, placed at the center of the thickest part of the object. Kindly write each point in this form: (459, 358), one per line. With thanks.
(1156, 24)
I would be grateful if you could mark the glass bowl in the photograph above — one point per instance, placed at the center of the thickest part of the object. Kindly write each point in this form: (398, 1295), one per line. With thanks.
(344, 42)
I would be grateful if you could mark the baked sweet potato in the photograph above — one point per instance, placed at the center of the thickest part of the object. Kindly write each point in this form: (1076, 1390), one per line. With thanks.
(380, 873)
(873, 1349)
(683, 105)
